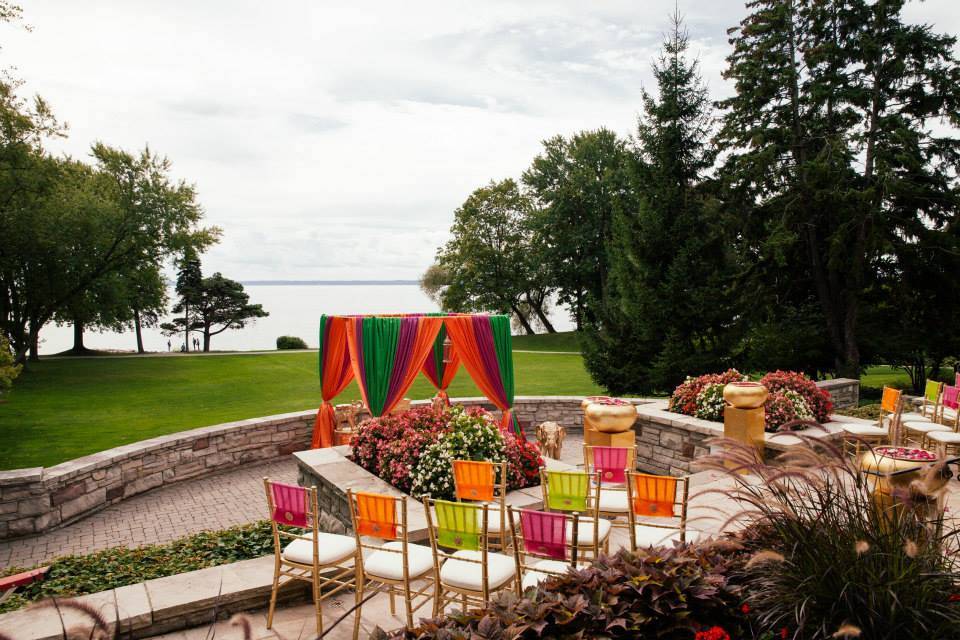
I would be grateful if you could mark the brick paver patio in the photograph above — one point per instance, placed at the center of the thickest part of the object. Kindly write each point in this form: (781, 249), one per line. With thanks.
(215, 502)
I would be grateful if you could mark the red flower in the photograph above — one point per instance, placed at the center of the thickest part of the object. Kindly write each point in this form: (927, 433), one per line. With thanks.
(954, 597)
(745, 609)
(784, 633)
(713, 633)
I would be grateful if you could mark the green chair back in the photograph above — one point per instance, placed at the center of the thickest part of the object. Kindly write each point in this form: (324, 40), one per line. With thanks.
(931, 391)
(458, 525)
(568, 490)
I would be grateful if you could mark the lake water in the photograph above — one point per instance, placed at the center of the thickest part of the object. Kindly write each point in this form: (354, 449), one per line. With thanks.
(295, 310)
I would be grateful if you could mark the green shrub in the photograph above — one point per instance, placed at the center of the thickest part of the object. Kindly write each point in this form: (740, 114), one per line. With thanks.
(290, 342)
(669, 594)
(119, 566)
(824, 556)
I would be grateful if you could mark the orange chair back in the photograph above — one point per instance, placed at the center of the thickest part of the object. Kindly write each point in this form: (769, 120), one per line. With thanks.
(474, 480)
(654, 495)
(890, 399)
(377, 515)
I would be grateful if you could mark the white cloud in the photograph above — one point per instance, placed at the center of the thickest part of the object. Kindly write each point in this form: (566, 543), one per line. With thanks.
(334, 140)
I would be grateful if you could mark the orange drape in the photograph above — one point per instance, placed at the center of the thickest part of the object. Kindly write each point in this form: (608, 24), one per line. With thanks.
(460, 329)
(335, 375)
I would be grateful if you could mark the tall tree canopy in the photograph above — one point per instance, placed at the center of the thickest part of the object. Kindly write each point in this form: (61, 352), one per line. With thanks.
(665, 310)
(490, 262)
(576, 184)
(838, 165)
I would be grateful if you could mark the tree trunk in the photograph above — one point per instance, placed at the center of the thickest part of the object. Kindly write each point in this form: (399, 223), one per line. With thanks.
(34, 340)
(206, 339)
(186, 326)
(523, 321)
(537, 306)
(78, 337)
(139, 330)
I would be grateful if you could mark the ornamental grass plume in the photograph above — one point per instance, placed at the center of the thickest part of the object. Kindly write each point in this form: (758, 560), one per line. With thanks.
(849, 564)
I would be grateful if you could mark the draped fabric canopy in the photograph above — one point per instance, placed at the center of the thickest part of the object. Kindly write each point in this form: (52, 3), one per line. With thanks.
(384, 354)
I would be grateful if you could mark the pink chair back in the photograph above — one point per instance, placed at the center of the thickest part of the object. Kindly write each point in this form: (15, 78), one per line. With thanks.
(290, 504)
(611, 464)
(950, 396)
(544, 534)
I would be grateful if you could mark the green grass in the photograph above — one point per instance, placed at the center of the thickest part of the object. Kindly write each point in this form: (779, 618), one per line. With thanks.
(564, 341)
(63, 409)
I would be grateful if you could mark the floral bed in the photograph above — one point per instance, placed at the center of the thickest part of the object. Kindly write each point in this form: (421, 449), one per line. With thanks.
(793, 396)
(412, 450)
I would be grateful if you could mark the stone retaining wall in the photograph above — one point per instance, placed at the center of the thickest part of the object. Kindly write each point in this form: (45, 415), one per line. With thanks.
(844, 392)
(38, 499)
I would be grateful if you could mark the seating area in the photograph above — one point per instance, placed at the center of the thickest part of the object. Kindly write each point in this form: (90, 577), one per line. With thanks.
(477, 544)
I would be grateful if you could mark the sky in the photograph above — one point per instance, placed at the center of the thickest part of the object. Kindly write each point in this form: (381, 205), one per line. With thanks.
(333, 140)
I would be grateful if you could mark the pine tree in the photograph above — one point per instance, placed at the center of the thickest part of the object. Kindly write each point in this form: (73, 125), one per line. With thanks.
(837, 168)
(663, 314)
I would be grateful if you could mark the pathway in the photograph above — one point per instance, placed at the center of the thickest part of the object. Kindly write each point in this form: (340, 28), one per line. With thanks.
(163, 515)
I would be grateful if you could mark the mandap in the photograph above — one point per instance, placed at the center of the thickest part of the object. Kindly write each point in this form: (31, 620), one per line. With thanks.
(384, 354)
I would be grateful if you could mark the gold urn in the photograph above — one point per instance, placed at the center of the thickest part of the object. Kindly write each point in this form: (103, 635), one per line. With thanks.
(745, 395)
(610, 416)
(591, 399)
(891, 472)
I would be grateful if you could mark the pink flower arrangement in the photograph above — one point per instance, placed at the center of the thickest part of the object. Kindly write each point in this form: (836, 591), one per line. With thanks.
(905, 453)
(391, 446)
(817, 399)
(684, 398)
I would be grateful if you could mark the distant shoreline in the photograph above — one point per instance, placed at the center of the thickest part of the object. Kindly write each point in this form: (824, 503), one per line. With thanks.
(284, 283)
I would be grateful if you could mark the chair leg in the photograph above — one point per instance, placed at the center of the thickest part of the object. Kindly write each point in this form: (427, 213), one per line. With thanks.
(393, 606)
(358, 591)
(406, 593)
(317, 602)
(273, 593)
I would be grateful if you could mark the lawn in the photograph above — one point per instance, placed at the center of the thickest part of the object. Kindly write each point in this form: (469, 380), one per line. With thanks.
(62, 409)
(563, 341)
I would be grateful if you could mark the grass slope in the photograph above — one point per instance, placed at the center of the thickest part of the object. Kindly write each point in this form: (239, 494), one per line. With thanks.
(563, 341)
(63, 409)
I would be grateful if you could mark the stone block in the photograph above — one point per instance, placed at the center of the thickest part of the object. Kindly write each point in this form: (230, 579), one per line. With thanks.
(46, 521)
(84, 503)
(143, 484)
(133, 608)
(671, 440)
(33, 506)
(29, 624)
(69, 492)
(115, 492)
(103, 602)
(20, 527)
(184, 593)
(217, 460)
(201, 443)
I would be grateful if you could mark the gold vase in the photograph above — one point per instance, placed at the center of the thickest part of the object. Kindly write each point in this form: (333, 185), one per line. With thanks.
(745, 395)
(610, 418)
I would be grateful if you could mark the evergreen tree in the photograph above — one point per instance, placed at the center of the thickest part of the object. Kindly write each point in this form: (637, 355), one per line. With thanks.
(836, 166)
(664, 312)
(189, 289)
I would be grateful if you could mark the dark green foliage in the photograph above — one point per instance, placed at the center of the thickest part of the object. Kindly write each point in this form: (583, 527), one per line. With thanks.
(664, 311)
(839, 176)
(654, 593)
(290, 342)
(826, 556)
(119, 566)
(577, 183)
(491, 261)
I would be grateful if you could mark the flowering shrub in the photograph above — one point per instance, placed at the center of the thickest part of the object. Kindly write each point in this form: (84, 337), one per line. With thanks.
(792, 396)
(684, 398)
(816, 398)
(710, 403)
(413, 450)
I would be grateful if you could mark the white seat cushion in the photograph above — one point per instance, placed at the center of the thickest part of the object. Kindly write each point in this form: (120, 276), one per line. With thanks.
(945, 437)
(865, 430)
(533, 577)
(949, 414)
(648, 536)
(389, 565)
(331, 548)
(493, 519)
(613, 501)
(925, 427)
(585, 531)
(469, 575)
(914, 416)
